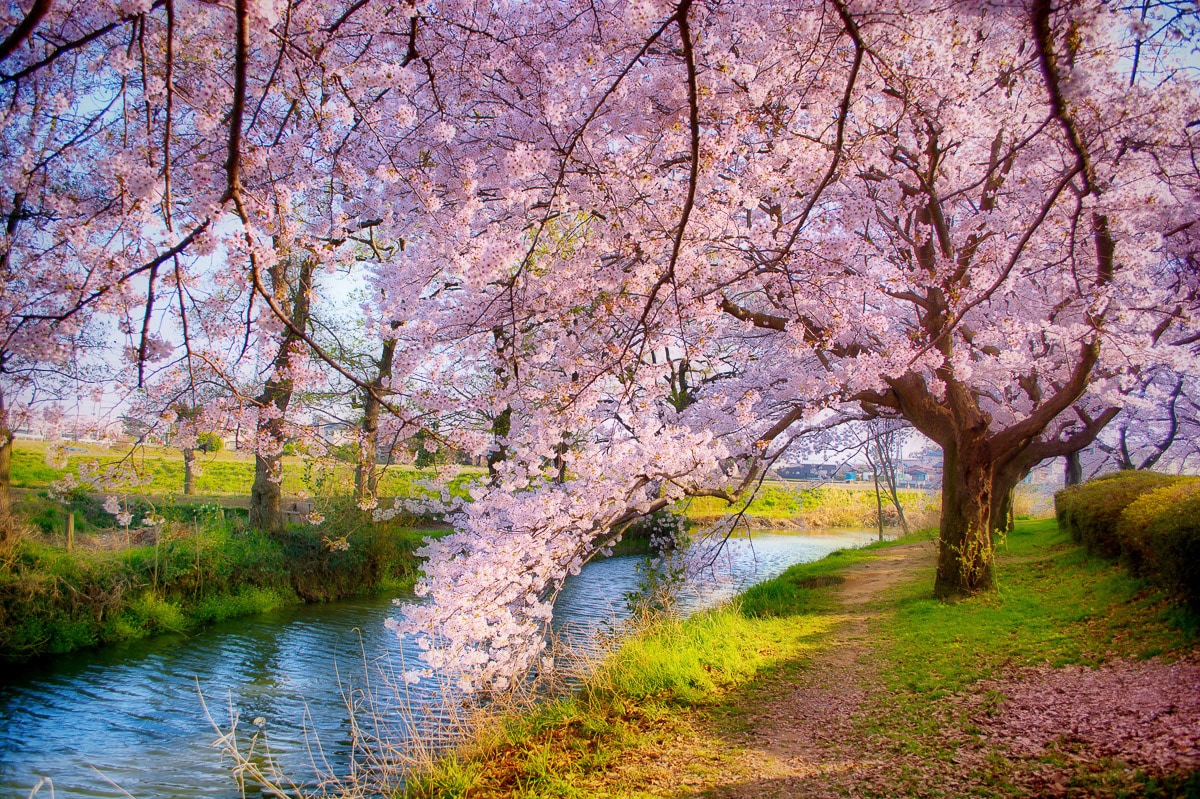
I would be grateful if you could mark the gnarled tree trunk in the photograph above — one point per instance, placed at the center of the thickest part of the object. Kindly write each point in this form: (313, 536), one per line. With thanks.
(966, 544)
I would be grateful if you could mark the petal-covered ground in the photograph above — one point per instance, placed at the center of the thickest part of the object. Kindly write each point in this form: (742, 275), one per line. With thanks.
(1144, 713)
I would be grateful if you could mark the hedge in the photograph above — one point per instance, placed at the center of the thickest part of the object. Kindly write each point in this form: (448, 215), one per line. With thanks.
(1091, 512)
(1150, 521)
(1160, 535)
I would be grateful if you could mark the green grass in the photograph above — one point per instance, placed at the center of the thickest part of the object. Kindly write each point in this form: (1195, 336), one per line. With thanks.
(668, 667)
(820, 506)
(223, 473)
(682, 686)
(802, 589)
(1054, 605)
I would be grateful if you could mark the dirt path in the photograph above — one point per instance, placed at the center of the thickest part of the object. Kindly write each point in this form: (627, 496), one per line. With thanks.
(808, 729)
(795, 733)
(803, 742)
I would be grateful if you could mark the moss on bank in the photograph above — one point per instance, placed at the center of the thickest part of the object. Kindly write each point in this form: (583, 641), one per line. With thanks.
(202, 566)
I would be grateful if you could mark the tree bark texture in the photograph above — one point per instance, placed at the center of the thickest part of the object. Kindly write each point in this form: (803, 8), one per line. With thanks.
(266, 495)
(366, 477)
(1073, 471)
(965, 547)
(189, 471)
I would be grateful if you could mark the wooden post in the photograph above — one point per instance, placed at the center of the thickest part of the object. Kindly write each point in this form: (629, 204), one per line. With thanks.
(157, 529)
(199, 541)
(70, 531)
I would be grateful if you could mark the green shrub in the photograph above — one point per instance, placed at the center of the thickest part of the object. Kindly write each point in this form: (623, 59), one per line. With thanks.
(1160, 537)
(348, 554)
(1090, 512)
(209, 442)
(1151, 521)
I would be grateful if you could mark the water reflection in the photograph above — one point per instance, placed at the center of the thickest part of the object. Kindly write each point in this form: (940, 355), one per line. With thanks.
(132, 715)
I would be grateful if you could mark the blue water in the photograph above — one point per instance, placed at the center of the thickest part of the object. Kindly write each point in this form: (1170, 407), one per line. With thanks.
(131, 720)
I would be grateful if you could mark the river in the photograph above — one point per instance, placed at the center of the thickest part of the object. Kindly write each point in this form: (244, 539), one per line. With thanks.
(129, 720)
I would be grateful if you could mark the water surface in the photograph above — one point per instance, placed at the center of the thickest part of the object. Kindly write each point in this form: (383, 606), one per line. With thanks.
(132, 715)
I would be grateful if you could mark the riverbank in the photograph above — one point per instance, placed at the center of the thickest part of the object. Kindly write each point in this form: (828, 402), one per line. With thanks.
(201, 566)
(795, 506)
(845, 677)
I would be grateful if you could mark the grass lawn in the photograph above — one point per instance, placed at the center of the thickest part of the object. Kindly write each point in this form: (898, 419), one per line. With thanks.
(224, 474)
(818, 506)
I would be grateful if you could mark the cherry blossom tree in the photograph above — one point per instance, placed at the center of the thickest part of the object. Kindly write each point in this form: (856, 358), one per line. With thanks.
(160, 159)
(976, 217)
(1157, 428)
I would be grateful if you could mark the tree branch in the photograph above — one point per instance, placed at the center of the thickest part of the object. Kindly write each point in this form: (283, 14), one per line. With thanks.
(24, 28)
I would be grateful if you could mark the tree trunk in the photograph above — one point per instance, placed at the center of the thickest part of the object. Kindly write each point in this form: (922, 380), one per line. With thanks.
(189, 471)
(366, 479)
(965, 551)
(875, 475)
(878, 505)
(501, 425)
(887, 461)
(1073, 474)
(266, 495)
(1002, 509)
(502, 422)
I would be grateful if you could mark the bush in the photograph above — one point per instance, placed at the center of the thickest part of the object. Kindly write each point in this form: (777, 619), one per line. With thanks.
(1160, 538)
(1091, 512)
(1151, 521)
(209, 442)
(349, 554)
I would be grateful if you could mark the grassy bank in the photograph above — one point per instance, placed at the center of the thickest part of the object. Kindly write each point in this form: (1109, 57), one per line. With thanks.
(203, 565)
(638, 696)
(669, 713)
(222, 474)
(949, 666)
(817, 506)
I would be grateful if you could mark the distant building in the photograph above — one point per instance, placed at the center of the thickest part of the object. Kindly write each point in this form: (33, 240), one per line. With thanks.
(922, 470)
(807, 471)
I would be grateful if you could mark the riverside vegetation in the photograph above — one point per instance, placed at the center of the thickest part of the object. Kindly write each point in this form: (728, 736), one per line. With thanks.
(1076, 677)
(203, 564)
